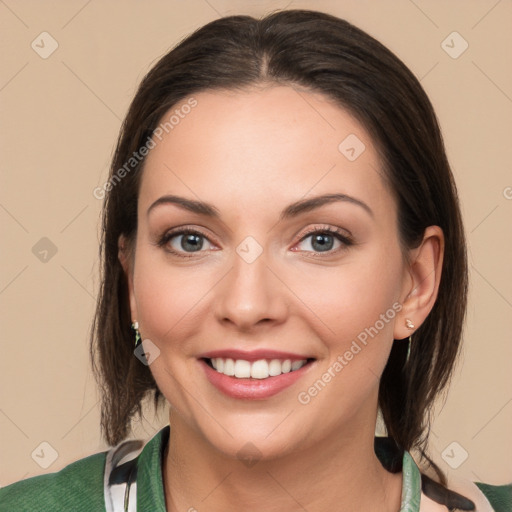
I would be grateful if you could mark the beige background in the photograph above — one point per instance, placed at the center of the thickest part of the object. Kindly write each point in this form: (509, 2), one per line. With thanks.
(59, 121)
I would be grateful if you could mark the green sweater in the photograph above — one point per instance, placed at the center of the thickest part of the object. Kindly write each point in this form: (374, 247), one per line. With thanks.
(79, 487)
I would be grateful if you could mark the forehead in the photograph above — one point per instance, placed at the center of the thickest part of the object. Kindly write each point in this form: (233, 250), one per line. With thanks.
(262, 145)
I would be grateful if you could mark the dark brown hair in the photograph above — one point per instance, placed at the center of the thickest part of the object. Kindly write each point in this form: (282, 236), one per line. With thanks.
(325, 54)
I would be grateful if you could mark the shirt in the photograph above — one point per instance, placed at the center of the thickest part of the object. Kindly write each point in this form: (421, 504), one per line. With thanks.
(129, 477)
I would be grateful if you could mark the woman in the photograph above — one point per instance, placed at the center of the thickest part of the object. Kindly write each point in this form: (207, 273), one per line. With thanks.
(283, 257)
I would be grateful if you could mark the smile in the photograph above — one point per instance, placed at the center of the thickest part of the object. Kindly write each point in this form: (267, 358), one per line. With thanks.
(253, 375)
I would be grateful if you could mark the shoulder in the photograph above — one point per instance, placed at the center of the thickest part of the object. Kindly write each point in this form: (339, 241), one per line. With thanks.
(462, 494)
(499, 496)
(96, 483)
(458, 495)
(77, 487)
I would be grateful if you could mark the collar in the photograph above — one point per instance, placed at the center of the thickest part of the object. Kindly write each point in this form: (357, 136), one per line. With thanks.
(150, 488)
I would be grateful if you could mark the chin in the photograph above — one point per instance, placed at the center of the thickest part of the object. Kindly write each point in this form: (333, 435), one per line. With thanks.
(251, 437)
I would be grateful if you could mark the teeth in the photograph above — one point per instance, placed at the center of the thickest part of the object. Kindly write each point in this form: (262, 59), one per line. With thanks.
(274, 367)
(229, 367)
(296, 365)
(261, 369)
(242, 369)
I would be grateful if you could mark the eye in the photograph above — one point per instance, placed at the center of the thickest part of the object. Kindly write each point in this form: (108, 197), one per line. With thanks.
(185, 241)
(325, 240)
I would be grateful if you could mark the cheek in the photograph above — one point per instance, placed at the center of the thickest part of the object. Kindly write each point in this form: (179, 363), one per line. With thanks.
(354, 296)
(168, 297)
(357, 308)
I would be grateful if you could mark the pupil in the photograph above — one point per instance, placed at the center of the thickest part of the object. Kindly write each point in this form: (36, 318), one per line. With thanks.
(324, 242)
(191, 242)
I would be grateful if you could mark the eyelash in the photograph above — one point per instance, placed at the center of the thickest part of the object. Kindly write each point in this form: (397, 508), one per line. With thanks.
(340, 235)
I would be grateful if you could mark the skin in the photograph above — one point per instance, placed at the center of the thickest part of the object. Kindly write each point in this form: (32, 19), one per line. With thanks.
(250, 154)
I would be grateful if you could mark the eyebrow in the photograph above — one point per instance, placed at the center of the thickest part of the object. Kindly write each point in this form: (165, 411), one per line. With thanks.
(292, 210)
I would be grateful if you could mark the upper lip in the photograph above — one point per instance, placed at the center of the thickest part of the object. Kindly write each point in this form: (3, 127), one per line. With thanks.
(253, 355)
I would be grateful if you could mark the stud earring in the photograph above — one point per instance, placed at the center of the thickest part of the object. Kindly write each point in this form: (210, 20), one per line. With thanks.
(409, 324)
(135, 327)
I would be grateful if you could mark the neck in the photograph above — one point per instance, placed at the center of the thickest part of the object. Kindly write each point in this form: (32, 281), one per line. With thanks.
(341, 473)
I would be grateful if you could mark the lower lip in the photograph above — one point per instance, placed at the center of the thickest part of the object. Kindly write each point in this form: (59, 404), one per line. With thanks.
(252, 389)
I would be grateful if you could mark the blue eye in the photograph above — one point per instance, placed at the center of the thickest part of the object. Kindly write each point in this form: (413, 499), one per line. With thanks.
(184, 241)
(190, 242)
(325, 240)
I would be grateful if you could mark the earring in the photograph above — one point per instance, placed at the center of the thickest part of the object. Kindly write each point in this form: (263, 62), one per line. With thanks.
(408, 350)
(135, 327)
(409, 326)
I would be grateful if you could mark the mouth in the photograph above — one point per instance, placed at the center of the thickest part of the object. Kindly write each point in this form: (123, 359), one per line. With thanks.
(254, 375)
(259, 369)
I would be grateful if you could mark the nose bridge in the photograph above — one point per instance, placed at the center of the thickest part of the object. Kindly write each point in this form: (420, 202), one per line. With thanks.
(250, 293)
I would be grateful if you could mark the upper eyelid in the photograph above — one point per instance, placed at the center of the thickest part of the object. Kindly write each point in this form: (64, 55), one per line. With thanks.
(327, 229)
(184, 230)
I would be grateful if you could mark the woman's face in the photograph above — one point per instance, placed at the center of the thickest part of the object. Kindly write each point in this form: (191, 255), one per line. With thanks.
(268, 273)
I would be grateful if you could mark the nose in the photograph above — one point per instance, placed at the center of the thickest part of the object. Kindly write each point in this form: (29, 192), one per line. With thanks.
(251, 296)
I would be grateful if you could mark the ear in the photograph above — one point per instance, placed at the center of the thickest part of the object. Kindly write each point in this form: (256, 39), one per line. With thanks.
(126, 257)
(421, 282)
